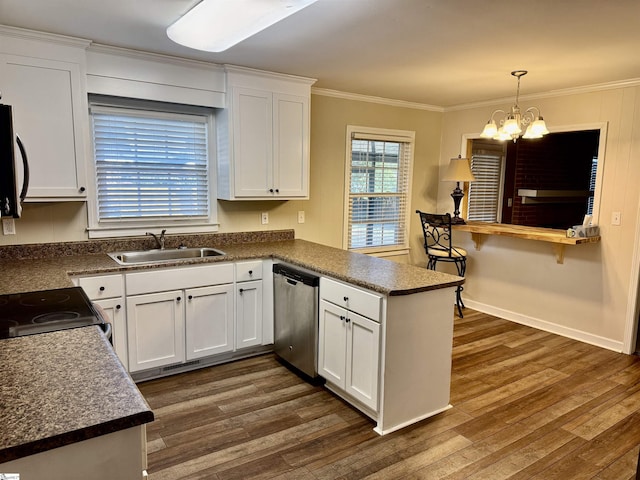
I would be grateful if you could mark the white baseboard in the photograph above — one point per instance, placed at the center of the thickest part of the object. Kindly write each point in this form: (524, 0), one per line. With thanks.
(550, 327)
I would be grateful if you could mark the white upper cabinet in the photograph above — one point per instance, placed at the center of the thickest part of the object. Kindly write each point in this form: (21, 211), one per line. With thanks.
(263, 137)
(44, 82)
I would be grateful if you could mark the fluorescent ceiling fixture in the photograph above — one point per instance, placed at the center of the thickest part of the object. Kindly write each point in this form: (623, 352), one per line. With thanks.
(216, 25)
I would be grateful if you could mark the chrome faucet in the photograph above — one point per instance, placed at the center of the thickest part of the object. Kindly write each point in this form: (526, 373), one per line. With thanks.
(160, 240)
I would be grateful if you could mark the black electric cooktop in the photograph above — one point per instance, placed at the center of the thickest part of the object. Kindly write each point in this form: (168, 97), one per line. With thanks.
(45, 311)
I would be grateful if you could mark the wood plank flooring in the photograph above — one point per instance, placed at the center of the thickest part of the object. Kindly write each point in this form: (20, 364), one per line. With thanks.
(526, 405)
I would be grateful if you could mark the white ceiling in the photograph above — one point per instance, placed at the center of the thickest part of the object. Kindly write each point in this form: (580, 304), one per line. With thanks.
(435, 52)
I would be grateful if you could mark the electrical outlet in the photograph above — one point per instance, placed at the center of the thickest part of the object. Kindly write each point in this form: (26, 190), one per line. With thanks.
(615, 218)
(300, 216)
(264, 218)
(8, 226)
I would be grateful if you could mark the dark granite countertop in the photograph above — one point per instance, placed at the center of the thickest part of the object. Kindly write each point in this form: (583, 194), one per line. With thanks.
(63, 387)
(377, 274)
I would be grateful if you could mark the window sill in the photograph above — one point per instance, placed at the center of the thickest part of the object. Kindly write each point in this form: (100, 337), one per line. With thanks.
(558, 238)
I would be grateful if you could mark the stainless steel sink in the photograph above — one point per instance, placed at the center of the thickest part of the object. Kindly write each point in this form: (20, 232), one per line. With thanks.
(166, 255)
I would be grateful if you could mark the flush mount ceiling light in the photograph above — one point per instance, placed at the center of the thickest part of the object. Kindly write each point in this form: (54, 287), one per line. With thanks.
(216, 25)
(514, 121)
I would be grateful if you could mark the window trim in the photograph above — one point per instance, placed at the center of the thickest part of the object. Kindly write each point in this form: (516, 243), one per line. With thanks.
(380, 134)
(137, 227)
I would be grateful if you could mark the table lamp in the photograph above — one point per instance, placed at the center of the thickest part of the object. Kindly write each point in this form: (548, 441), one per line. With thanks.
(458, 171)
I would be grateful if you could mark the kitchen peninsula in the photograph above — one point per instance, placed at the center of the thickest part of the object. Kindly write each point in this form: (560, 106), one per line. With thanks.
(416, 324)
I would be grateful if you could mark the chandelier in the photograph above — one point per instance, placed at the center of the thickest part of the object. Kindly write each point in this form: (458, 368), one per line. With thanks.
(515, 121)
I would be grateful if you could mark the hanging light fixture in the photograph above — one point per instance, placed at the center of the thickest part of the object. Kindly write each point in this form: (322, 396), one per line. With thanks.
(515, 121)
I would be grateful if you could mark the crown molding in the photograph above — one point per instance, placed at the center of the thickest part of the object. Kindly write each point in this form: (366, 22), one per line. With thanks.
(371, 99)
(144, 55)
(633, 82)
(27, 34)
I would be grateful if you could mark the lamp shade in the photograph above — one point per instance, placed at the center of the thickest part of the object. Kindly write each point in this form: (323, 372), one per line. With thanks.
(459, 170)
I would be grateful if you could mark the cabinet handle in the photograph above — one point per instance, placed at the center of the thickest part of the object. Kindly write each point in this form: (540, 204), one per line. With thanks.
(346, 299)
(101, 289)
(179, 298)
(190, 297)
(271, 190)
(250, 272)
(277, 190)
(82, 189)
(342, 317)
(241, 290)
(118, 307)
(347, 320)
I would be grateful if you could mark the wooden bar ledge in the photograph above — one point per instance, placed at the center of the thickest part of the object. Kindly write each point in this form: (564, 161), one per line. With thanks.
(558, 238)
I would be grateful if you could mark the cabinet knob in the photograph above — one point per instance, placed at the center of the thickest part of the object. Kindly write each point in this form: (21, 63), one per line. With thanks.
(342, 317)
(190, 297)
(101, 289)
(347, 320)
(250, 272)
(277, 190)
(271, 190)
(241, 290)
(118, 307)
(346, 299)
(82, 189)
(179, 298)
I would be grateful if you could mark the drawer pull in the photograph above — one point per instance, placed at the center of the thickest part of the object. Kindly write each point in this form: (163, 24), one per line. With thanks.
(342, 317)
(179, 298)
(346, 299)
(190, 297)
(250, 272)
(347, 320)
(118, 307)
(102, 289)
(241, 290)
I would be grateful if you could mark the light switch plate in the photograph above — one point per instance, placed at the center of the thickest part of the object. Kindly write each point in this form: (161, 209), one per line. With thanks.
(615, 218)
(264, 218)
(8, 226)
(300, 216)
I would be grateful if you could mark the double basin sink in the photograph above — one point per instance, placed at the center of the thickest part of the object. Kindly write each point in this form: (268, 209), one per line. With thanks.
(163, 255)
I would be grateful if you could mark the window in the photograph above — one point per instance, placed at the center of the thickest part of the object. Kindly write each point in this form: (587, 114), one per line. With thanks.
(378, 179)
(484, 194)
(152, 169)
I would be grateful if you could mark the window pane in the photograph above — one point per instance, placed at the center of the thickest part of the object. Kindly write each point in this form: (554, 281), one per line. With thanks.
(379, 182)
(484, 192)
(150, 167)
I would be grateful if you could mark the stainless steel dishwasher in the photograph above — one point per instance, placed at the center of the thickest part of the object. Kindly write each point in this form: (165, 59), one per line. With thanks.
(296, 317)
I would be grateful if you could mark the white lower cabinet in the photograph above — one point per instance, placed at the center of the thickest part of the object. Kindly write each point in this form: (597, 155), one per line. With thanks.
(108, 292)
(249, 314)
(209, 321)
(349, 345)
(156, 330)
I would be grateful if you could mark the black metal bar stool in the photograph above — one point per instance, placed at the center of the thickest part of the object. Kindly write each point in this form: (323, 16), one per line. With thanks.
(436, 229)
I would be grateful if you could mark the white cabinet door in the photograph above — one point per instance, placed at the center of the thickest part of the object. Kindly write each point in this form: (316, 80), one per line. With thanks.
(363, 347)
(290, 145)
(48, 115)
(249, 314)
(114, 308)
(252, 143)
(209, 320)
(155, 330)
(332, 344)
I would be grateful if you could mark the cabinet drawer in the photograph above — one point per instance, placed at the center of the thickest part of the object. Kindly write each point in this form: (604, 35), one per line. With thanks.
(246, 271)
(352, 298)
(159, 280)
(104, 286)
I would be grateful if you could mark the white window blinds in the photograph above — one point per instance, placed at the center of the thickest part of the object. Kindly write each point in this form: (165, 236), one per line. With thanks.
(379, 180)
(150, 164)
(484, 193)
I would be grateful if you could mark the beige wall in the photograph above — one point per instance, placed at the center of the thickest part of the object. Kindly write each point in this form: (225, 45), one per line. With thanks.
(48, 222)
(586, 297)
